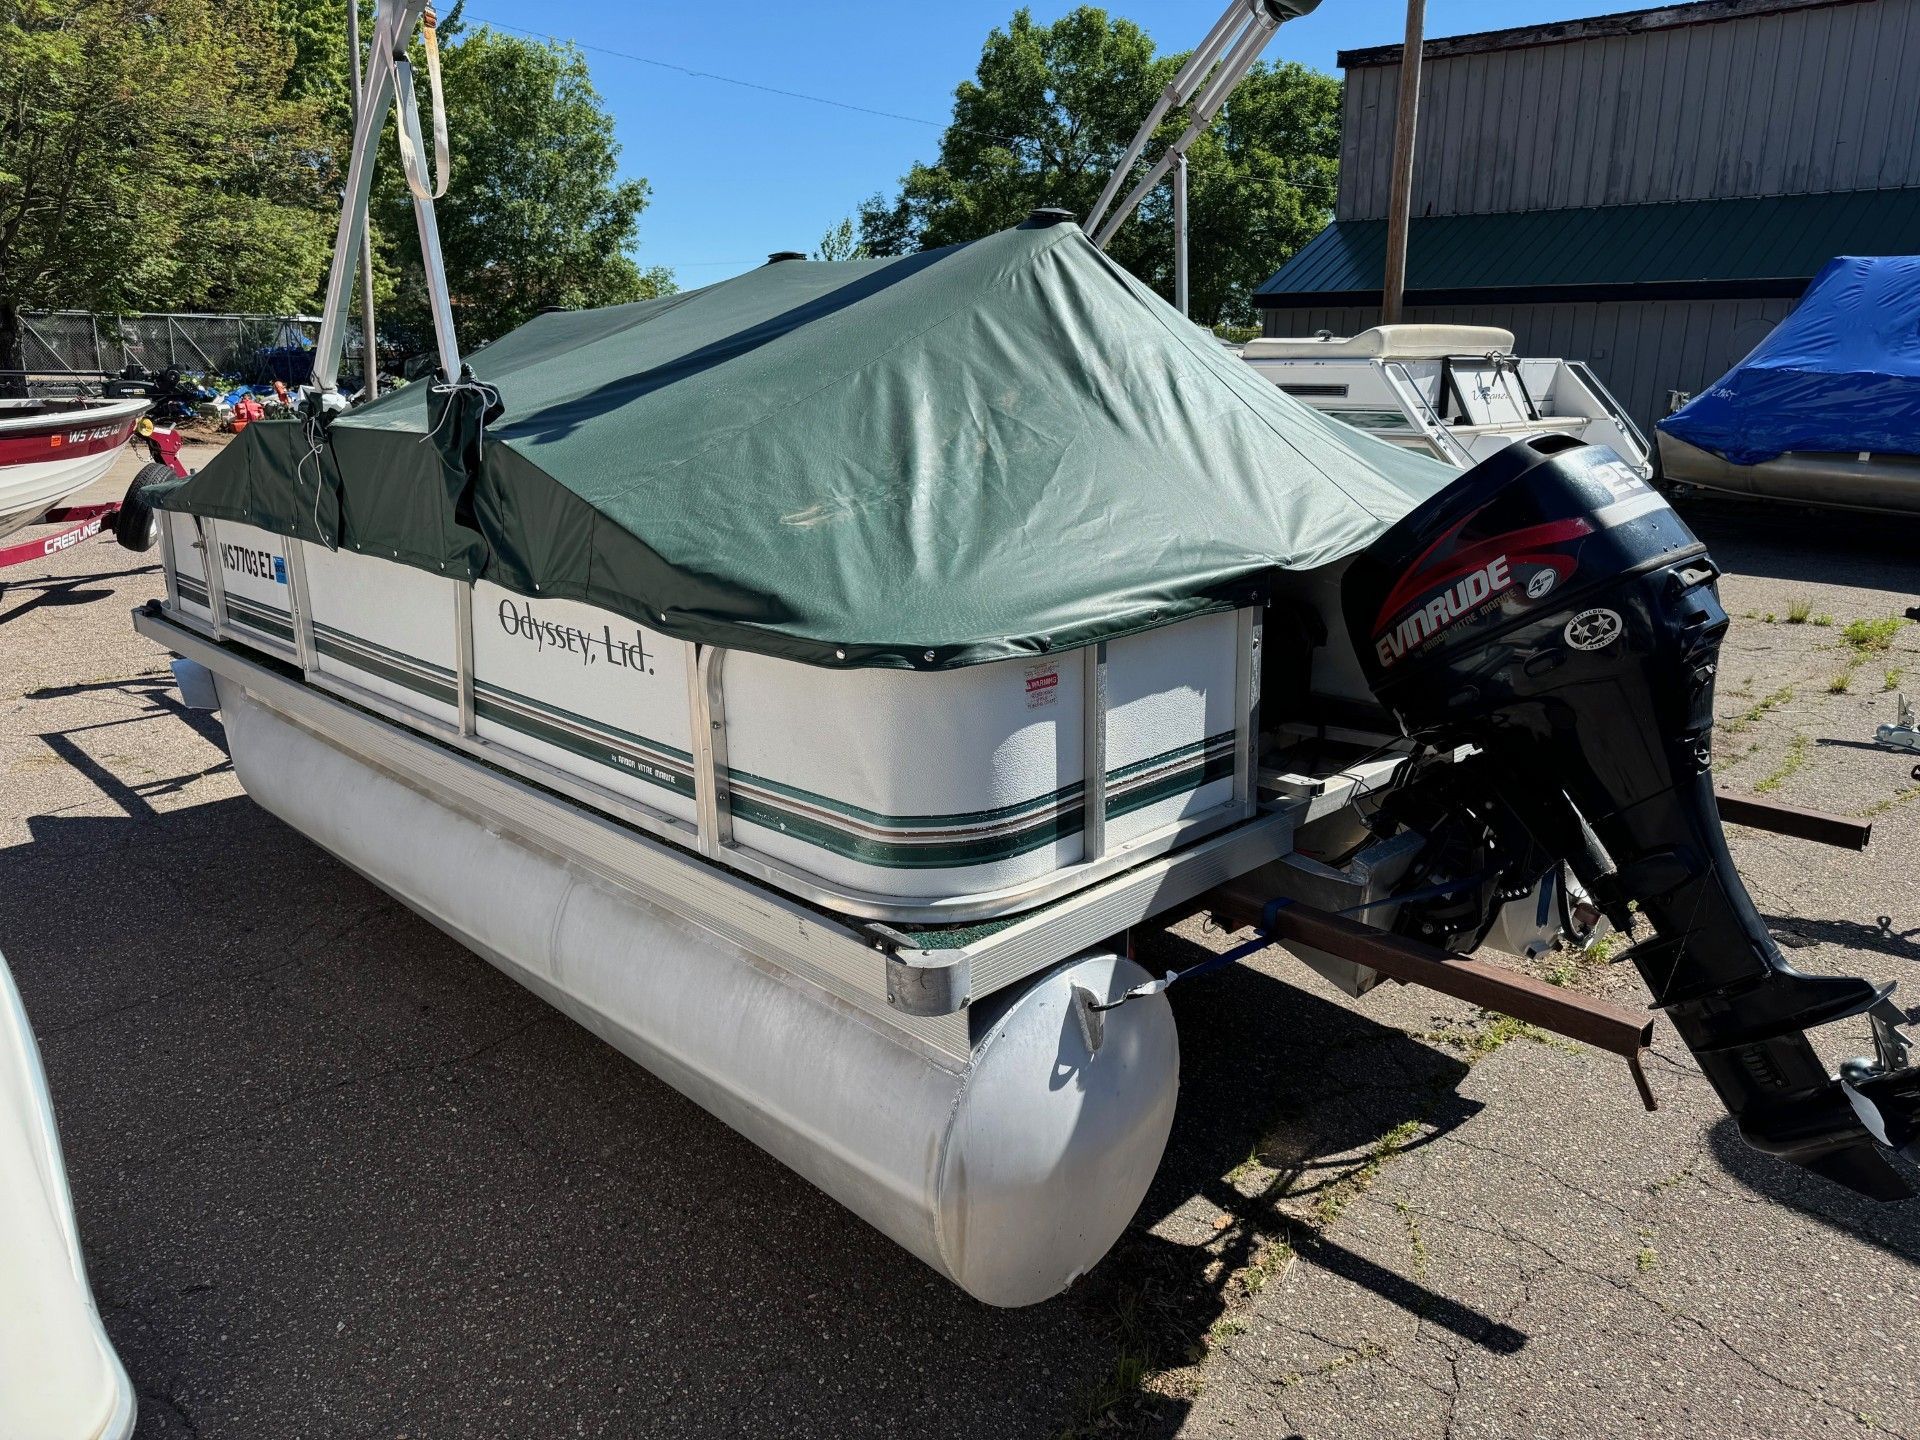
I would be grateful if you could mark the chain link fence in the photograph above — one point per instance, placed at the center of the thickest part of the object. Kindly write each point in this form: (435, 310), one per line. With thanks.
(236, 347)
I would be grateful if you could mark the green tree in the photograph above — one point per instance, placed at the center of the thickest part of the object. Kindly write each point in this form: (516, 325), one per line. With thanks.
(1046, 118)
(840, 243)
(534, 215)
(151, 157)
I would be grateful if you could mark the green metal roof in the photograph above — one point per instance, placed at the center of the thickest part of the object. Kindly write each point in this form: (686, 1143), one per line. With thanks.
(1748, 247)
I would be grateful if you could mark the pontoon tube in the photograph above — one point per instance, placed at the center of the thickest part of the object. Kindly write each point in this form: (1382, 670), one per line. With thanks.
(1011, 1172)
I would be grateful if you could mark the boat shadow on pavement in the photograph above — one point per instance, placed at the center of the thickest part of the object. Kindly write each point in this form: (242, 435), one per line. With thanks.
(1894, 1228)
(49, 591)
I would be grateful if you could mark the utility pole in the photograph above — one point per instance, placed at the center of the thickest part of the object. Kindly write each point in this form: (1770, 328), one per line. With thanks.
(1400, 200)
(369, 350)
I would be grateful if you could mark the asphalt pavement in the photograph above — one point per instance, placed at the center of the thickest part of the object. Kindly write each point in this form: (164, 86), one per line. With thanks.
(335, 1176)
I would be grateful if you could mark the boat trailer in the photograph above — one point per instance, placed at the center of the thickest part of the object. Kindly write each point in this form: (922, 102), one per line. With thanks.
(129, 520)
(82, 522)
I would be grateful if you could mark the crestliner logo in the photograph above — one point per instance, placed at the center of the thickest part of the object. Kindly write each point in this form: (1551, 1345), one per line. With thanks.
(58, 543)
(519, 621)
(1418, 626)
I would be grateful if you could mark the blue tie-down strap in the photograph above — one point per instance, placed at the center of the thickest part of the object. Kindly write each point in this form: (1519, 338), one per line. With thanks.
(1261, 940)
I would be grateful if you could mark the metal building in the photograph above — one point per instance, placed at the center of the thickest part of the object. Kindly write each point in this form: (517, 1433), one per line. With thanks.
(1648, 191)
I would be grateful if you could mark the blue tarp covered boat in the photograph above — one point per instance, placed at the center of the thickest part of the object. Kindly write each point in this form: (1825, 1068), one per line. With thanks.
(1826, 409)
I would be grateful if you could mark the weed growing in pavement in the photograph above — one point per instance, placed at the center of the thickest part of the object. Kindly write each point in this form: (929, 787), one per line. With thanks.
(1823, 621)
(1892, 678)
(1798, 612)
(1873, 635)
(1416, 1242)
(1131, 1366)
(1366, 1350)
(1840, 683)
(1760, 708)
(1888, 802)
(1790, 764)
(1335, 1197)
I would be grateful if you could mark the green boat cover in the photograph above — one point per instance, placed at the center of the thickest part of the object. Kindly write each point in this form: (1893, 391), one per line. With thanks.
(996, 449)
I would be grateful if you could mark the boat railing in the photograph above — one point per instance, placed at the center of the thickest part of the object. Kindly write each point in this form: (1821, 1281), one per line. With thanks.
(1414, 402)
(1604, 398)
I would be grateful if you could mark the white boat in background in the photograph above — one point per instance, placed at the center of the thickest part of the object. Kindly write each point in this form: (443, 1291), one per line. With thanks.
(1457, 392)
(59, 1375)
(51, 449)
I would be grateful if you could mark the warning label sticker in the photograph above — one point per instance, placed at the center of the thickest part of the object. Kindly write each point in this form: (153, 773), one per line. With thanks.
(1043, 684)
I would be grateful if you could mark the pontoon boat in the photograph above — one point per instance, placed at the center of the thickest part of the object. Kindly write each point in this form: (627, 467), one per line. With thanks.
(807, 682)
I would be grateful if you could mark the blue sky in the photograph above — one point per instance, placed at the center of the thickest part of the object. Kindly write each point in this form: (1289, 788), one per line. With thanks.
(737, 173)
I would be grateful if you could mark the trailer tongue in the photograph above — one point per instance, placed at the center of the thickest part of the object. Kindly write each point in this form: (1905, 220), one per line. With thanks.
(1552, 611)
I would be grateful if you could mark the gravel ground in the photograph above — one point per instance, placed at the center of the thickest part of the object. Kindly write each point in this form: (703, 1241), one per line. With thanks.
(335, 1176)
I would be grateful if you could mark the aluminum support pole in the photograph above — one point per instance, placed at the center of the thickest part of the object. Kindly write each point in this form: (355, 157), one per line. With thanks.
(438, 300)
(1240, 59)
(369, 359)
(1238, 13)
(392, 29)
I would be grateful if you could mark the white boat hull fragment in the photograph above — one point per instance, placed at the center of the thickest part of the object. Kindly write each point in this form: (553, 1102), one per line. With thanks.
(59, 1376)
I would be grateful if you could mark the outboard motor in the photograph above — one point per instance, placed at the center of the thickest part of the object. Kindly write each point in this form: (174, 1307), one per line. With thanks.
(1551, 610)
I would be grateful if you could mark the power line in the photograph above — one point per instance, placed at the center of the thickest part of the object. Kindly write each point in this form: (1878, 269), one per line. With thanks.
(1314, 185)
(722, 79)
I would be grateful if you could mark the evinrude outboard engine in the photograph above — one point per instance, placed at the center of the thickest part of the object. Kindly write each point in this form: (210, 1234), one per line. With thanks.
(1552, 611)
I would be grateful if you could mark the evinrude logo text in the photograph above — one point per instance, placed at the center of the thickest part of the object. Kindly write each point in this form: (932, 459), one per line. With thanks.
(260, 564)
(1419, 626)
(520, 622)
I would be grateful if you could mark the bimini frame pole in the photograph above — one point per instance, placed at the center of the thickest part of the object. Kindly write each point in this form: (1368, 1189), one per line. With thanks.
(1226, 54)
(1198, 63)
(370, 355)
(389, 77)
(392, 28)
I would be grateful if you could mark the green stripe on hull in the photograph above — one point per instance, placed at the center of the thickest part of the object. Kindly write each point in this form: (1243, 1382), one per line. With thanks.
(636, 763)
(756, 800)
(959, 850)
(276, 623)
(372, 659)
(1214, 767)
